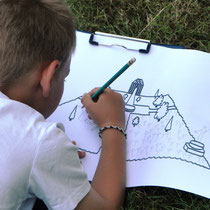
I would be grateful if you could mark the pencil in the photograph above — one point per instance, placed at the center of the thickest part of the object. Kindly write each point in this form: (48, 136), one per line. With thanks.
(97, 93)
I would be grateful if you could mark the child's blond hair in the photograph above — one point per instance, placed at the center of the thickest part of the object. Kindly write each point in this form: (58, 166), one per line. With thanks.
(32, 32)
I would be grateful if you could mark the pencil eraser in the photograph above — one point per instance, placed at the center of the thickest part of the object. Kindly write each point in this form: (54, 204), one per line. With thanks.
(132, 61)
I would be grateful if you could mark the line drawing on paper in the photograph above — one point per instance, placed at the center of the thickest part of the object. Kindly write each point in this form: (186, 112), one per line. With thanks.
(155, 128)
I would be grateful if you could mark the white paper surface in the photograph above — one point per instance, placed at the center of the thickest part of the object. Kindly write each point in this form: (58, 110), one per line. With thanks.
(167, 96)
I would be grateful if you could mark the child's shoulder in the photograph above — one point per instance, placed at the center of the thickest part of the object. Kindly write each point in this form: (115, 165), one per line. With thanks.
(21, 124)
(33, 149)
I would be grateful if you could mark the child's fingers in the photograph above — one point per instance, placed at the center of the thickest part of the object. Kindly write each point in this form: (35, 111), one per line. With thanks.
(86, 98)
(89, 117)
(81, 154)
(73, 142)
(93, 91)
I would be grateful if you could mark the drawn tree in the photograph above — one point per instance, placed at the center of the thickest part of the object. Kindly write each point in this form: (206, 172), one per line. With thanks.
(135, 121)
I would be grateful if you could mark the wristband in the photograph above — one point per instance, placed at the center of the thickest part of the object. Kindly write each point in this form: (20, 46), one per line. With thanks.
(114, 127)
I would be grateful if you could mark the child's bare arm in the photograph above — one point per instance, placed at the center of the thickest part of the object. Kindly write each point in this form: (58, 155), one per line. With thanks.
(109, 181)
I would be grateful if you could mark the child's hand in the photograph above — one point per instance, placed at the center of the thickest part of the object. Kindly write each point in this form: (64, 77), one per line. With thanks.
(81, 154)
(108, 110)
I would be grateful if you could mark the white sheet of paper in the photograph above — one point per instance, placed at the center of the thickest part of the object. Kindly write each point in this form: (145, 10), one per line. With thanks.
(167, 96)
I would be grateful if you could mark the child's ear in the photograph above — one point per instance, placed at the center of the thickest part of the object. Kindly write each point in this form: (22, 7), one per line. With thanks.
(47, 75)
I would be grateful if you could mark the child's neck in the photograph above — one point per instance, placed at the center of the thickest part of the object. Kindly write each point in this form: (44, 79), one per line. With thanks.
(23, 90)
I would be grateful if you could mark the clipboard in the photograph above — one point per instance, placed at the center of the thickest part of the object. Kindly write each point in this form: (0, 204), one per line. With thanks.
(160, 91)
(144, 46)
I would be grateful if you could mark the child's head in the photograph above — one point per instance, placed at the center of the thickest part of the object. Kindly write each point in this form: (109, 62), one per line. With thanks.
(33, 32)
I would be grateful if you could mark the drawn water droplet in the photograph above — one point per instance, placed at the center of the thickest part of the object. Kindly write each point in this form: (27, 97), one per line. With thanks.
(138, 99)
(125, 96)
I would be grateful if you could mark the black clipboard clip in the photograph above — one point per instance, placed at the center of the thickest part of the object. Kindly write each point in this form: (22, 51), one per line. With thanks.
(128, 43)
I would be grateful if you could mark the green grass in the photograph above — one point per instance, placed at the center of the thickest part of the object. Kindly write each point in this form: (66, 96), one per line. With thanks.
(179, 22)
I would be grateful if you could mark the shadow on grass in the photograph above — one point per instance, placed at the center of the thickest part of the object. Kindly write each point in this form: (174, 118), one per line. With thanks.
(163, 198)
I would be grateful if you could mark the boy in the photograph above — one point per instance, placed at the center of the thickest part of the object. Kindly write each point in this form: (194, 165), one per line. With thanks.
(37, 160)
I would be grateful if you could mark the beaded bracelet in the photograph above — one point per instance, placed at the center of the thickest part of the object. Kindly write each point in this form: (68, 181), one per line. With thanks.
(114, 127)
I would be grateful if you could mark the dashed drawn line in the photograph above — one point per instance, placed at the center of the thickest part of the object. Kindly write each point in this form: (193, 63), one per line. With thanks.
(165, 157)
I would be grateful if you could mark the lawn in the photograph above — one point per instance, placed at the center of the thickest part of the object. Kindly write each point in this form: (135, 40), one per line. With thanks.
(178, 22)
